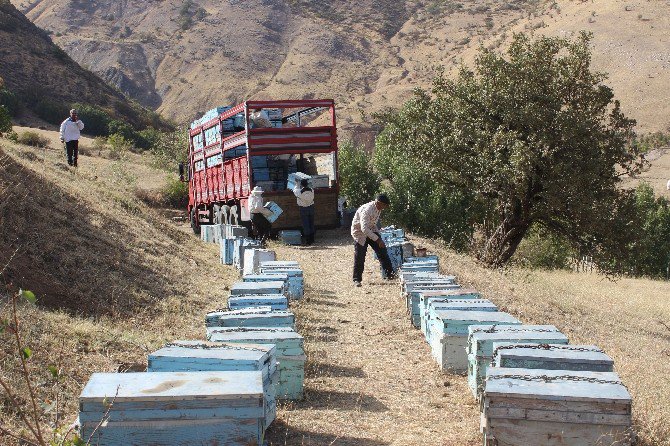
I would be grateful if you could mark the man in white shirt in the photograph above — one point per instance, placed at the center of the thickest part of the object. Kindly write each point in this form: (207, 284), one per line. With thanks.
(259, 213)
(70, 131)
(305, 197)
(364, 231)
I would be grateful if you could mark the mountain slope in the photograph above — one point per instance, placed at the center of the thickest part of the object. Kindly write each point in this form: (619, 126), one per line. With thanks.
(42, 75)
(183, 56)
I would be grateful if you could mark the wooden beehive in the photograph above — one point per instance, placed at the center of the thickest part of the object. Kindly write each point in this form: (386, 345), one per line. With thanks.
(587, 358)
(241, 245)
(168, 408)
(227, 250)
(255, 317)
(449, 334)
(290, 354)
(201, 356)
(482, 337)
(425, 297)
(445, 304)
(412, 298)
(257, 288)
(253, 258)
(212, 318)
(291, 237)
(274, 301)
(555, 408)
(296, 280)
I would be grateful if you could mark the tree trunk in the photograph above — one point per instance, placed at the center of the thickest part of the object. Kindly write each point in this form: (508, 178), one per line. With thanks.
(502, 245)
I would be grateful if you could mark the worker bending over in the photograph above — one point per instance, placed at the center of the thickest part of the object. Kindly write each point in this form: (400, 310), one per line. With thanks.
(364, 231)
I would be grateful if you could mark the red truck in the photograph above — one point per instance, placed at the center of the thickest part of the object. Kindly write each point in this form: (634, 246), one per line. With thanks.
(260, 143)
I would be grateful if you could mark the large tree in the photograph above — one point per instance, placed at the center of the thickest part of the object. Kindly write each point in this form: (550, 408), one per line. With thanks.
(533, 135)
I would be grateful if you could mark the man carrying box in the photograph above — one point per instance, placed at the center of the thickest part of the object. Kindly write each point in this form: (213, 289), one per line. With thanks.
(305, 196)
(259, 215)
(364, 231)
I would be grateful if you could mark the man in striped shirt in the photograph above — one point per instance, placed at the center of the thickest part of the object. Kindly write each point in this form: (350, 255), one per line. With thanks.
(365, 232)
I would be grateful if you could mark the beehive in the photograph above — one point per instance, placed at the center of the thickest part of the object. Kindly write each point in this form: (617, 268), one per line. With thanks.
(412, 298)
(290, 353)
(446, 304)
(274, 301)
(291, 237)
(253, 258)
(587, 358)
(258, 288)
(241, 245)
(227, 249)
(449, 334)
(296, 281)
(556, 408)
(168, 408)
(200, 356)
(425, 297)
(254, 317)
(482, 337)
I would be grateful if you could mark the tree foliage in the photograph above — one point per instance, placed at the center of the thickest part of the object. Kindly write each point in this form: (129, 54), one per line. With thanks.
(533, 137)
(358, 181)
(5, 120)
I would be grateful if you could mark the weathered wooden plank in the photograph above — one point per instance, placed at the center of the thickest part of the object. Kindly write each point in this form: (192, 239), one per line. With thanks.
(275, 302)
(551, 357)
(257, 288)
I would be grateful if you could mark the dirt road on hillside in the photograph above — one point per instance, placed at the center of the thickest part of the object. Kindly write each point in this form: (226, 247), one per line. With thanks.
(370, 378)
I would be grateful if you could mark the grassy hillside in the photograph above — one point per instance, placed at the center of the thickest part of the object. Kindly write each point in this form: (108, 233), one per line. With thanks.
(45, 78)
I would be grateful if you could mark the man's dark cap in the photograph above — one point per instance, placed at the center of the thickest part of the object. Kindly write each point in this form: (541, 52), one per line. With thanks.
(304, 183)
(383, 198)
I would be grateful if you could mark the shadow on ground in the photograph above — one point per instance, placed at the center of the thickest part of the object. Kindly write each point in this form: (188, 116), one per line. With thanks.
(281, 434)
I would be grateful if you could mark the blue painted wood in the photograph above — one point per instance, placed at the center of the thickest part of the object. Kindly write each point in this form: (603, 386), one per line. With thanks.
(254, 317)
(430, 258)
(276, 211)
(437, 304)
(227, 250)
(551, 357)
(212, 318)
(482, 337)
(282, 264)
(425, 297)
(413, 297)
(257, 288)
(241, 245)
(296, 281)
(290, 354)
(254, 256)
(274, 301)
(158, 408)
(291, 237)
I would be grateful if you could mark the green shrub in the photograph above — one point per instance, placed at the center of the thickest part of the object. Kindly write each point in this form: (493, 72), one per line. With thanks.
(175, 193)
(5, 120)
(12, 136)
(170, 149)
(10, 101)
(52, 112)
(96, 120)
(651, 141)
(358, 181)
(30, 138)
(118, 146)
(546, 250)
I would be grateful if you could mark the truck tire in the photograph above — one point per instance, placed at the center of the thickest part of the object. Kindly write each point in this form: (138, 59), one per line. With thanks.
(195, 224)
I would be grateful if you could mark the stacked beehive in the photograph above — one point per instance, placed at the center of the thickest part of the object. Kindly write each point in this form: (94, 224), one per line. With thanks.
(220, 391)
(534, 388)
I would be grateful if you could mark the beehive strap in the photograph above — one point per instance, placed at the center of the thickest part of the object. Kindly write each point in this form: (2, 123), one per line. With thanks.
(548, 379)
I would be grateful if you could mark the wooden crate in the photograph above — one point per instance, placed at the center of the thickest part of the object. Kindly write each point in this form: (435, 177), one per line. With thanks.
(555, 408)
(168, 408)
(255, 317)
(445, 304)
(227, 250)
(201, 356)
(587, 358)
(408, 276)
(290, 354)
(291, 237)
(296, 280)
(482, 337)
(242, 244)
(449, 334)
(425, 297)
(274, 301)
(430, 258)
(412, 298)
(258, 288)
(253, 258)
(281, 264)
(212, 317)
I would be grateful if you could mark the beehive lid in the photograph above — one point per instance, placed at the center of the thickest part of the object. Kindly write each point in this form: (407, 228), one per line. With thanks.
(279, 264)
(256, 287)
(167, 386)
(291, 272)
(451, 292)
(465, 304)
(265, 277)
(215, 350)
(552, 352)
(253, 334)
(457, 321)
(555, 385)
(481, 337)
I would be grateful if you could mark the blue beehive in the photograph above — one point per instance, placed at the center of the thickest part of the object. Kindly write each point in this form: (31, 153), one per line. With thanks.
(241, 245)
(276, 211)
(430, 258)
(290, 353)
(256, 288)
(210, 233)
(267, 278)
(295, 178)
(169, 408)
(255, 317)
(395, 255)
(482, 337)
(200, 356)
(444, 304)
(449, 334)
(412, 296)
(227, 251)
(259, 162)
(261, 174)
(296, 281)
(426, 297)
(280, 264)
(291, 237)
(555, 407)
(584, 358)
(212, 318)
(274, 301)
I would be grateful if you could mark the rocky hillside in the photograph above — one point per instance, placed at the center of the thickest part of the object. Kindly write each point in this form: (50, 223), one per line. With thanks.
(184, 56)
(42, 75)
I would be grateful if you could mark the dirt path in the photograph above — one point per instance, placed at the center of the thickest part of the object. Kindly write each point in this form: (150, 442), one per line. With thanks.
(370, 380)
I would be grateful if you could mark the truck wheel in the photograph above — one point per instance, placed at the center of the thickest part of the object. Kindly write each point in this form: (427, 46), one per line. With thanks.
(195, 224)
